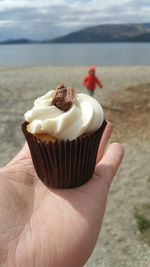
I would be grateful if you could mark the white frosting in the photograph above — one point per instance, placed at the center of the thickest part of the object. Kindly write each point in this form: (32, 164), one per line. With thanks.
(85, 116)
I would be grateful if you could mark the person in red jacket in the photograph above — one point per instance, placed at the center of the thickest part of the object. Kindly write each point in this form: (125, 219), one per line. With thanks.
(90, 81)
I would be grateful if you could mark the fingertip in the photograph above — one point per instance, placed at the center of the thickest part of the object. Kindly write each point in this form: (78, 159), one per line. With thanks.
(109, 125)
(118, 148)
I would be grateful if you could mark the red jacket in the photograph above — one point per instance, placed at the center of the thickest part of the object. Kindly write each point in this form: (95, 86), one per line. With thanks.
(91, 81)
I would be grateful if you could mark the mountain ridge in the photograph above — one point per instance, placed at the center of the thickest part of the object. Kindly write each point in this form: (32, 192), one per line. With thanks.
(108, 33)
(130, 32)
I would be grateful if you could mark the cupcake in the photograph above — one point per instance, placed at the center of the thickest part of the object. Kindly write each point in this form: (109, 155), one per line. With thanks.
(63, 131)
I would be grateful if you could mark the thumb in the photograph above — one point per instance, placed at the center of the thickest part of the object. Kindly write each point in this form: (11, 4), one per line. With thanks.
(24, 153)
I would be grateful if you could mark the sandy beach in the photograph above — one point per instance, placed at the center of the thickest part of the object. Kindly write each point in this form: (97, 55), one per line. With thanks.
(126, 102)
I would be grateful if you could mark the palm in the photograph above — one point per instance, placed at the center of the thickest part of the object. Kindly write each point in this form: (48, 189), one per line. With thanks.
(49, 227)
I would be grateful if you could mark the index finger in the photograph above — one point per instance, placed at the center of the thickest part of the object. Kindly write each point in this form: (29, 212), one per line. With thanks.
(110, 162)
(105, 138)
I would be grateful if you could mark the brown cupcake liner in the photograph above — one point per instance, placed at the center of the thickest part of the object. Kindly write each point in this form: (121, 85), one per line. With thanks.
(64, 164)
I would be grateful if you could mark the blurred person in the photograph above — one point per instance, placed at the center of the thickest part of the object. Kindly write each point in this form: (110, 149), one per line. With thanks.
(90, 81)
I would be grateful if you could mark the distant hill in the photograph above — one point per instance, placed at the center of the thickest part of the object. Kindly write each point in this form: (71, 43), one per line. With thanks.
(17, 41)
(108, 33)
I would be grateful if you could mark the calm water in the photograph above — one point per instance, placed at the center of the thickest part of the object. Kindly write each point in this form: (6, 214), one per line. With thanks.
(75, 54)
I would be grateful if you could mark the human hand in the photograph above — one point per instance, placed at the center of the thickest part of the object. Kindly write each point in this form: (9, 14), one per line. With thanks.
(45, 227)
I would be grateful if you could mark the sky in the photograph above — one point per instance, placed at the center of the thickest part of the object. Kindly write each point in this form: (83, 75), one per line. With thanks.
(47, 19)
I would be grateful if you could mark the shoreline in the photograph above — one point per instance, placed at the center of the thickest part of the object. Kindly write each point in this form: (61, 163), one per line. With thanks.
(73, 66)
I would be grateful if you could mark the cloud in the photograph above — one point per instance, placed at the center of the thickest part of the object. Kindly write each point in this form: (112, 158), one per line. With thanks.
(47, 19)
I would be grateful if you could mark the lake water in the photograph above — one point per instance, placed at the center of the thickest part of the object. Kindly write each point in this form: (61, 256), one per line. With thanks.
(75, 54)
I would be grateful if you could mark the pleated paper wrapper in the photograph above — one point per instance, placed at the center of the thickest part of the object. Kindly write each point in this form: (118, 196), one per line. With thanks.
(65, 164)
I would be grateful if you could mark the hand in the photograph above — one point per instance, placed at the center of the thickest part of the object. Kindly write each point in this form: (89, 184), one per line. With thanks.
(41, 227)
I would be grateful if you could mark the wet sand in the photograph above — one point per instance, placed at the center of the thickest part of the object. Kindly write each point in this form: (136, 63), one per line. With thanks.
(126, 101)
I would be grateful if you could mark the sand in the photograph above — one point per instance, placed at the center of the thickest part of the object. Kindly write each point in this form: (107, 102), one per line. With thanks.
(126, 101)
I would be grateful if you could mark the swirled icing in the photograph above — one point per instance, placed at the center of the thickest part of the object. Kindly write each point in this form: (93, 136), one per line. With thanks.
(85, 116)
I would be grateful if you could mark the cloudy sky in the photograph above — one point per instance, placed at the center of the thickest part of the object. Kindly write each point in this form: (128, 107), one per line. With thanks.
(46, 19)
